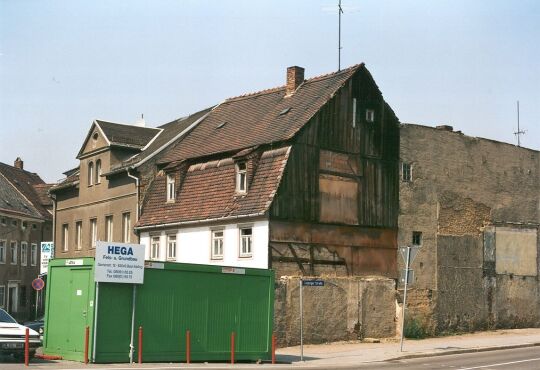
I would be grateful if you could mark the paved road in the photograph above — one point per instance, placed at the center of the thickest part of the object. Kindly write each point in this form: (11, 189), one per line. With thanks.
(515, 359)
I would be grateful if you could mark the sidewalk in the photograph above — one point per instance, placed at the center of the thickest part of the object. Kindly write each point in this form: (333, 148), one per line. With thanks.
(350, 353)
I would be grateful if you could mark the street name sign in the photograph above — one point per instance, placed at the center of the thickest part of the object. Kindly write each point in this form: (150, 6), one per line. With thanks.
(313, 282)
(119, 263)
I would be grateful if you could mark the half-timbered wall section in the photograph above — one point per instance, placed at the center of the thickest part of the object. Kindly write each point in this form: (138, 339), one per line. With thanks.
(337, 206)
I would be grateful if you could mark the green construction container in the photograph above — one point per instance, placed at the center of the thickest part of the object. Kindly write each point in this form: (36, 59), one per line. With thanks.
(210, 302)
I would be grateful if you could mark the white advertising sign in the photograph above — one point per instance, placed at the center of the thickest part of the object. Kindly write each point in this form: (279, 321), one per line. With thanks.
(119, 263)
(47, 251)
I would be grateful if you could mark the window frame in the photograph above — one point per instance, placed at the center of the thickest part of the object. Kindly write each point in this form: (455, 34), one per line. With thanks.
(417, 235)
(171, 188)
(3, 251)
(3, 296)
(93, 232)
(24, 254)
(33, 254)
(370, 115)
(153, 243)
(98, 172)
(109, 228)
(78, 235)
(241, 252)
(241, 177)
(406, 175)
(90, 173)
(170, 256)
(213, 239)
(65, 237)
(13, 253)
(126, 229)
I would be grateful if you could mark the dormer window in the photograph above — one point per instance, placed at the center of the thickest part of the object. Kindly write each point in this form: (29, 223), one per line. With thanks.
(98, 171)
(90, 173)
(241, 177)
(370, 115)
(170, 188)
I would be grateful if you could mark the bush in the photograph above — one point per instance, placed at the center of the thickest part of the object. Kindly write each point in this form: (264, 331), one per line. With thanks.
(414, 329)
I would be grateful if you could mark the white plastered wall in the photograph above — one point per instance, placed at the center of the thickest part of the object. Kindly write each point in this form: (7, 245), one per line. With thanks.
(193, 245)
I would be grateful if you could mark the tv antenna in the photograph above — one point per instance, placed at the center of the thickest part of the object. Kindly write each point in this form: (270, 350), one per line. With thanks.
(519, 132)
(340, 11)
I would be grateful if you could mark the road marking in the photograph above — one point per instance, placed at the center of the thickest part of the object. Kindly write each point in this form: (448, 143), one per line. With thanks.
(500, 364)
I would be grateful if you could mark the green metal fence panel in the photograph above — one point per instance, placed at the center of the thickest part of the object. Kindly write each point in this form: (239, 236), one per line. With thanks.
(209, 301)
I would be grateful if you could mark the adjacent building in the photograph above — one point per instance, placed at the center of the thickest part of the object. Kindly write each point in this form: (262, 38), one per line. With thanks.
(301, 178)
(99, 200)
(472, 206)
(25, 221)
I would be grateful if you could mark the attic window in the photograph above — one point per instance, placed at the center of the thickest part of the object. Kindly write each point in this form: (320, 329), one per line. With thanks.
(95, 136)
(370, 115)
(221, 124)
(285, 111)
(170, 188)
(241, 177)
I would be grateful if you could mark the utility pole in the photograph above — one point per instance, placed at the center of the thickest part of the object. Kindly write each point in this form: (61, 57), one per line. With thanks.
(340, 11)
(519, 132)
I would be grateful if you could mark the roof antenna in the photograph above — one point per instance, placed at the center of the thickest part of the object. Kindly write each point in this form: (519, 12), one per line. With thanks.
(519, 132)
(340, 11)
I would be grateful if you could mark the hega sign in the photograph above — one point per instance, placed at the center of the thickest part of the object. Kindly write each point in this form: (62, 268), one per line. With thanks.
(119, 263)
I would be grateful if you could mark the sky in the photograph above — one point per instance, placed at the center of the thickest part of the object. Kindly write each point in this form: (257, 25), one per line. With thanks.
(65, 63)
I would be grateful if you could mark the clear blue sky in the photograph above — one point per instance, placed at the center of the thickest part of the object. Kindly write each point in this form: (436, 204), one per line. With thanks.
(65, 63)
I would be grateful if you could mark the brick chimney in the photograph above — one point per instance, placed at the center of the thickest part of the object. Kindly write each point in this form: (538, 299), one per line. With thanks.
(19, 163)
(295, 76)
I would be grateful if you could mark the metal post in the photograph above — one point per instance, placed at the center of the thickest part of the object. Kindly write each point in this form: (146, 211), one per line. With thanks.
(405, 297)
(26, 347)
(37, 303)
(94, 332)
(273, 348)
(301, 323)
(132, 324)
(86, 337)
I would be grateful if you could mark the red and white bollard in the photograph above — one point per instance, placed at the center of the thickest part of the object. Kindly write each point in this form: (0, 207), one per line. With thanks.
(188, 347)
(232, 347)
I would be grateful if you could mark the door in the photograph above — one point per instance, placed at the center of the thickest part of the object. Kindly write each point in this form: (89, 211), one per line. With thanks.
(12, 299)
(78, 316)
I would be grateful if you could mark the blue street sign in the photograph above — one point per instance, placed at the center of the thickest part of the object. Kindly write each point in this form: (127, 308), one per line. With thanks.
(313, 282)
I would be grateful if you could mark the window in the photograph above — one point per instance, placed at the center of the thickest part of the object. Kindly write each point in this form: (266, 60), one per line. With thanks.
(22, 296)
(90, 174)
(13, 222)
(33, 254)
(241, 177)
(171, 247)
(170, 188)
(217, 245)
(98, 171)
(406, 172)
(3, 220)
(246, 239)
(2, 251)
(78, 235)
(34, 226)
(13, 253)
(24, 225)
(109, 228)
(93, 232)
(417, 238)
(2, 295)
(370, 115)
(24, 253)
(354, 113)
(154, 248)
(126, 227)
(65, 237)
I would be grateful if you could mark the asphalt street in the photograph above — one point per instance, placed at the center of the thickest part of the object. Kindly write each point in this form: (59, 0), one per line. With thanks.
(516, 359)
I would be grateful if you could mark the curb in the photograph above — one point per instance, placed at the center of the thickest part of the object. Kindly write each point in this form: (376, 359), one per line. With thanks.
(459, 351)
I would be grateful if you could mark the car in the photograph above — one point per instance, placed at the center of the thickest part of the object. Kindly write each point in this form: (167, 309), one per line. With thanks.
(12, 337)
(36, 325)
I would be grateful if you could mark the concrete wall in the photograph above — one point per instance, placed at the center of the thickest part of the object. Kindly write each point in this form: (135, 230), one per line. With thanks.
(345, 308)
(477, 204)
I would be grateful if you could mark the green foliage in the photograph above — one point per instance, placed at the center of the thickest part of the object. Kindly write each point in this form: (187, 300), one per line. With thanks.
(414, 329)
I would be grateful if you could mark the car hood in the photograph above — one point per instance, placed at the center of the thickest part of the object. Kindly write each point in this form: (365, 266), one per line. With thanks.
(7, 328)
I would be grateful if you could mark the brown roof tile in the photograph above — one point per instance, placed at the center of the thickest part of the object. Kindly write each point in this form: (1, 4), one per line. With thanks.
(208, 192)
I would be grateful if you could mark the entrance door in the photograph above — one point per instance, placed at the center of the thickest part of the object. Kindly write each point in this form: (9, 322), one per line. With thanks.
(12, 299)
(78, 317)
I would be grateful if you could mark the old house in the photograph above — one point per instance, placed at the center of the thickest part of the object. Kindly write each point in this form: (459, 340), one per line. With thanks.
(302, 179)
(472, 205)
(25, 221)
(100, 198)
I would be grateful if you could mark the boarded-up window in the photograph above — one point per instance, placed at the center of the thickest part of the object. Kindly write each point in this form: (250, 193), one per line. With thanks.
(338, 199)
(515, 251)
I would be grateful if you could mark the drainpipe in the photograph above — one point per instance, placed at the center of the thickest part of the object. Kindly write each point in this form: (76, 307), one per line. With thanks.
(53, 197)
(137, 209)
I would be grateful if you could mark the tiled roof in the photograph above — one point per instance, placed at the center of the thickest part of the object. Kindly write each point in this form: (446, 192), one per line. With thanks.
(128, 135)
(259, 118)
(208, 192)
(170, 131)
(25, 183)
(69, 181)
(13, 201)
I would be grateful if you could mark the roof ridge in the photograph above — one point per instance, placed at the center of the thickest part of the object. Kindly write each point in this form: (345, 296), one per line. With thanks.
(282, 87)
(125, 124)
